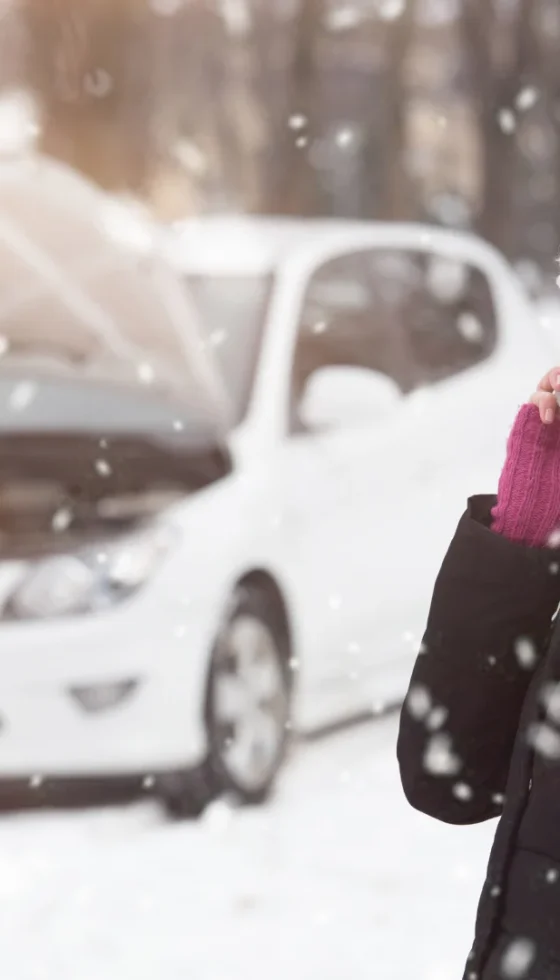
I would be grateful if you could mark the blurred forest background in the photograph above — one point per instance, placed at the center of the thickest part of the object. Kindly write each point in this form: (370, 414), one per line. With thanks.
(438, 110)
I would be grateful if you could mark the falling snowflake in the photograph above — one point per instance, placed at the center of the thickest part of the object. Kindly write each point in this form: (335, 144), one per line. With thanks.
(294, 664)
(148, 782)
(22, 396)
(554, 539)
(498, 799)
(98, 83)
(62, 520)
(36, 781)
(297, 121)
(492, 661)
(552, 876)
(437, 718)
(237, 16)
(495, 891)
(525, 652)
(462, 792)
(178, 425)
(343, 18)
(103, 468)
(419, 702)
(302, 141)
(345, 137)
(191, 157)
(470, 328)
(319, 327)
(544, 740)
(507, 121)
(447, 279)
(439, 758)
(518, 958)
(146, 373)
(554, 568)
(391, 9)
(527, 98)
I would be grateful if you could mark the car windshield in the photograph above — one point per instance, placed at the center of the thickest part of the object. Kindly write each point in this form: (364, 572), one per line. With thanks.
(233, 311)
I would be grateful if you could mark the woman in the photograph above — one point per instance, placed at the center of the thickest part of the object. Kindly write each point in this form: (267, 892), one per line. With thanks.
(480, 729)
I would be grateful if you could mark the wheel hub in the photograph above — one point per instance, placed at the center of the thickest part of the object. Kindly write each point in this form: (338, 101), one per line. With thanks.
(250, 701)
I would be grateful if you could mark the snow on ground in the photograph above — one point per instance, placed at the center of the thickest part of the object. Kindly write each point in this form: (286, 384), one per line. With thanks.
(337, 878)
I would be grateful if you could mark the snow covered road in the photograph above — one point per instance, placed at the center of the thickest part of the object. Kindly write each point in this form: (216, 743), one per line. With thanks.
(337, 879)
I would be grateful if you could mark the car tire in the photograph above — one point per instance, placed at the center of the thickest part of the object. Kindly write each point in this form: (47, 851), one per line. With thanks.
(247, 709)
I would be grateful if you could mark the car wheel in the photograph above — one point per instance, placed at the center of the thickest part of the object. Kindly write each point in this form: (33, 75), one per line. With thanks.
(247, 707)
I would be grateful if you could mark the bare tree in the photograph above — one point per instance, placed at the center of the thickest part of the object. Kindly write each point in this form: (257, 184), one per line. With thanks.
(396, 192)
(90, 66)
(500, 48)
(297, 190)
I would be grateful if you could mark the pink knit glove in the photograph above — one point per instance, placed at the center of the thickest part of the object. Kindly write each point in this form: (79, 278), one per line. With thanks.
(528, 507)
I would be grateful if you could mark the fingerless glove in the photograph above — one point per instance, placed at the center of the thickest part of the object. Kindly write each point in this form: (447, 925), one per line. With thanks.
(528, 506)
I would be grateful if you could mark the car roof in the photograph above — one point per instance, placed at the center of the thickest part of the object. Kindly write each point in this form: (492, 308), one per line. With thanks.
(237, 245)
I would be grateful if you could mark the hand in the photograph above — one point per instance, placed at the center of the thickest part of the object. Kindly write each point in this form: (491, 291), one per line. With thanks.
(545, 396)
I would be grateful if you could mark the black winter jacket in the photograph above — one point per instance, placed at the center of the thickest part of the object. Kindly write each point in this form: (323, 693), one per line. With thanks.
(480, 736)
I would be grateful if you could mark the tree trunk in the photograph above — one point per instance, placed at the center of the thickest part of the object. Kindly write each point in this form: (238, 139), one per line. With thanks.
(90, 70)
(396, 195)
(497, 81)
(297, 192)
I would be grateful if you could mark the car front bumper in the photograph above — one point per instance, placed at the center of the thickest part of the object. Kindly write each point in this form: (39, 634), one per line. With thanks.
(157, 725)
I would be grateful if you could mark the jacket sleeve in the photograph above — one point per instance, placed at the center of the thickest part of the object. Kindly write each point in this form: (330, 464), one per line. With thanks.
(487, 630)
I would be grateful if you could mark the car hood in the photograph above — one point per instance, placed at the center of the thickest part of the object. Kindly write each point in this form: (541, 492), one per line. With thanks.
(83, 291)
(106, 390)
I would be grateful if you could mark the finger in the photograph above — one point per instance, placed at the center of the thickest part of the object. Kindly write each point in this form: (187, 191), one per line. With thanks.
(547, 405)
(551, 381)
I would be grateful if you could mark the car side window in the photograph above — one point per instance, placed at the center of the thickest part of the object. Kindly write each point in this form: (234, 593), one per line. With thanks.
(445, 306)
(417, 317)
(344, 322)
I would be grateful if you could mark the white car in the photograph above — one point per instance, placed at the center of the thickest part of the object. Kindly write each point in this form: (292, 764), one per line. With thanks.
(373, 371)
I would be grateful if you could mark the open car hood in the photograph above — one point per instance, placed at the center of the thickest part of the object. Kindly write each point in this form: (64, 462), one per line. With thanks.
(108, 400)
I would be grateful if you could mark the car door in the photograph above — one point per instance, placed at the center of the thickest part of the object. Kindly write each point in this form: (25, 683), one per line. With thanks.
(364, 509)
(397, 486)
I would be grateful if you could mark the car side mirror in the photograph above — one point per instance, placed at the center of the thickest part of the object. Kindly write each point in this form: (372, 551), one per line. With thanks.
(347, 396)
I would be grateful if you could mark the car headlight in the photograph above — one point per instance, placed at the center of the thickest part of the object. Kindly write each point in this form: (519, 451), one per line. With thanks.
(88, 581)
